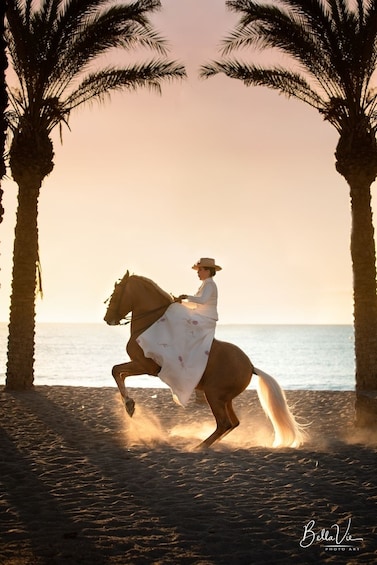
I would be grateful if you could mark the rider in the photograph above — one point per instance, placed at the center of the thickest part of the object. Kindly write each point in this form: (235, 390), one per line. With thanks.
(205, 300)
(180, 341)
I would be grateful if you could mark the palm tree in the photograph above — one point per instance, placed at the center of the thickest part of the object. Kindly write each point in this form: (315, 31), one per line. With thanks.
(330, 49)
(3, 102)
(56, 50)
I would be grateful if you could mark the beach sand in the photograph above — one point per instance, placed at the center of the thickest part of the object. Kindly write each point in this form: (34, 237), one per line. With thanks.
(82, 483)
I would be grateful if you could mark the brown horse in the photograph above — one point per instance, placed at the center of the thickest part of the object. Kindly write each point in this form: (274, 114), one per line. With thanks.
(227, 374)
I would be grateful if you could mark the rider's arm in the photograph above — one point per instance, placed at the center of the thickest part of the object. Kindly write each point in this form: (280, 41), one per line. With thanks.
(207, 292)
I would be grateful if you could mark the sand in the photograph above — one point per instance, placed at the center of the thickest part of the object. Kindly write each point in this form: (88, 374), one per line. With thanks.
(82, 483)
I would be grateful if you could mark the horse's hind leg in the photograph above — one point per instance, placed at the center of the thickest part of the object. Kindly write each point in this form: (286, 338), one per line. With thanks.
(232, 415)
(223, 421)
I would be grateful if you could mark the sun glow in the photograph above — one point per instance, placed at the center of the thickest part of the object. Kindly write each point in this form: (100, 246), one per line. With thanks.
(210, 168)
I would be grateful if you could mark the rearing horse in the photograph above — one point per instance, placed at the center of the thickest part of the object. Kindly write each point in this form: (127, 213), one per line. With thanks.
(228, 371)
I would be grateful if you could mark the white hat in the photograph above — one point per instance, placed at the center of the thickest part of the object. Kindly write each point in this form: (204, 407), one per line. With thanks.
(206, 262)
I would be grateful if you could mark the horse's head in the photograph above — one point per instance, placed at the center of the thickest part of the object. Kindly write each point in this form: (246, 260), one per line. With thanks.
(138, 295)
(118, 307)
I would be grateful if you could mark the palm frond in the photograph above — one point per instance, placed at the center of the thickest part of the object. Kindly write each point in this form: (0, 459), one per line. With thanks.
(78, 15)
(277, 78)
(273, 27)
(120, 26)
(86, 50)
(54, 44)
(330, 44)
(98, 85)
(20, 43)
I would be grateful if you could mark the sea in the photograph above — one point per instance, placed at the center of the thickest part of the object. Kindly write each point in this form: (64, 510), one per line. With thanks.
(312, 357)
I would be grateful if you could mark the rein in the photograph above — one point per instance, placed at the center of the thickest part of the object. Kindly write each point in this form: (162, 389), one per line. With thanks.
(128, 319)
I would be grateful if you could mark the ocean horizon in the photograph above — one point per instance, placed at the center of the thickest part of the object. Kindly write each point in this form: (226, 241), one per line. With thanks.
(312, 357)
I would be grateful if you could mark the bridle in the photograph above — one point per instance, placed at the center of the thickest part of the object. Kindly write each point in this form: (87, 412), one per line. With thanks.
(130, 317)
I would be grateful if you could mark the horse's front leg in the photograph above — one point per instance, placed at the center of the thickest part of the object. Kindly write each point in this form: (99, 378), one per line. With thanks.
(120, 372)
(130, 369)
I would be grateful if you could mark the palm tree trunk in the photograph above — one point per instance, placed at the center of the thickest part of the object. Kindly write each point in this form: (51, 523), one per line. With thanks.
(3, 101)
(365, 303)
(20, 372)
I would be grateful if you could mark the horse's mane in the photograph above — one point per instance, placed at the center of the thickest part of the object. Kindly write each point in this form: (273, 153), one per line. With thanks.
(156, 287)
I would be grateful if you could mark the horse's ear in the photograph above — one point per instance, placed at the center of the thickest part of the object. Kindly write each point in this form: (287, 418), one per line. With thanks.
(125, 278)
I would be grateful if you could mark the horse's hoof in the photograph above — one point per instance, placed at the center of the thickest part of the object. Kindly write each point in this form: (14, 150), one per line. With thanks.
(129, 404)
(201, 446)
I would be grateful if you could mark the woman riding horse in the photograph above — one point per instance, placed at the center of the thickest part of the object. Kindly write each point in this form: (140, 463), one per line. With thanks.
(227, 374)
(180, 340)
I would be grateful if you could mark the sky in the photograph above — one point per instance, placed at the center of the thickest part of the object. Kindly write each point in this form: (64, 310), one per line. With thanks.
(211, 168)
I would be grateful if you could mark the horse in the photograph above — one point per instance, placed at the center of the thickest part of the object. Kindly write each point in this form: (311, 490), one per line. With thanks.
(227, 374)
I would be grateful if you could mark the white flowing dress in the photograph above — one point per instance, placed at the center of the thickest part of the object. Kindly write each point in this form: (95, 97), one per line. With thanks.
(180, 341)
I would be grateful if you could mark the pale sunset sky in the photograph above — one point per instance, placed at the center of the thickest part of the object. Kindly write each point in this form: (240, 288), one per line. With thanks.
(209, 169)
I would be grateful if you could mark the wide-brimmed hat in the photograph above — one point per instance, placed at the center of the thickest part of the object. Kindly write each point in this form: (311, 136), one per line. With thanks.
(206, 262)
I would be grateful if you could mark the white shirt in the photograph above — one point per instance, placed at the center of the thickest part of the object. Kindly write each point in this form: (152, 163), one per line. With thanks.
(205, 300)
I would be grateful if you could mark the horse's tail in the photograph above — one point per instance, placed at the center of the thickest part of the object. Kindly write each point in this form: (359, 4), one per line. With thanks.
(288, 433)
